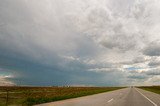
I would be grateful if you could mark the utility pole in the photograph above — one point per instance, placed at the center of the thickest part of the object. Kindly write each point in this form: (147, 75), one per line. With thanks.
(7, 97)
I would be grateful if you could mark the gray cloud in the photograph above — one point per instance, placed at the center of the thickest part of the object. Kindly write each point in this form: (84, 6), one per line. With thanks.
(117, 42)
(137, 76)
(152, 49)
(66, 42)
(136, 60)
(153, 72)
(154, 63)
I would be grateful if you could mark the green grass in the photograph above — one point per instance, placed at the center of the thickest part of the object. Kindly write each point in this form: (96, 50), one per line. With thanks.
(29, 96)
(32, 101)
(155, 89)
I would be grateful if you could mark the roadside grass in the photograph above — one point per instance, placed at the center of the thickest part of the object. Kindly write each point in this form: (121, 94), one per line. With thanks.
(32, 101)
(28, 96)
(155, 89)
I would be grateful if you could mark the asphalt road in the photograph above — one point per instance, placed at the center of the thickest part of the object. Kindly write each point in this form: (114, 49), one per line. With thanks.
(122, 97)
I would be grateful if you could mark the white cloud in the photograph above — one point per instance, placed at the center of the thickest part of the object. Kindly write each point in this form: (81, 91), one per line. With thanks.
(153, 81)
(5, 82)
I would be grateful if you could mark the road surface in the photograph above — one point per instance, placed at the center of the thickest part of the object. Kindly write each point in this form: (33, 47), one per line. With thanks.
(123, 97)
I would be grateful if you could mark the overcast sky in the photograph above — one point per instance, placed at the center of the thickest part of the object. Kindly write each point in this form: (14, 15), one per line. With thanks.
(80, 42)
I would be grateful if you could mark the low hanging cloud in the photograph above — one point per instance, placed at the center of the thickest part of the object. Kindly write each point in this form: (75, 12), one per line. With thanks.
(5, 82)
(68, 42)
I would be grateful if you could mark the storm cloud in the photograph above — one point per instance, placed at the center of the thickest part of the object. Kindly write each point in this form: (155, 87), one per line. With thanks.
(78, 42)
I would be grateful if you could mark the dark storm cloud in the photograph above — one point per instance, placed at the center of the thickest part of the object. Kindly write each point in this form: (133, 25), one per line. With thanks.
(67, 42)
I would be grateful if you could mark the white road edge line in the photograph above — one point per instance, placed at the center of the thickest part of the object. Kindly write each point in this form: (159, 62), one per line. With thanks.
(147, 98)
(110, 100)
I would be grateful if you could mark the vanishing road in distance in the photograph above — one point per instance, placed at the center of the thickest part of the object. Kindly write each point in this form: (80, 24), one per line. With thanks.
(123, 97)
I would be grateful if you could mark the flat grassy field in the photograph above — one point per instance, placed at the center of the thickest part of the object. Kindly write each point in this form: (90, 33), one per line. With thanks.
(28, 96)
(155, 89)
